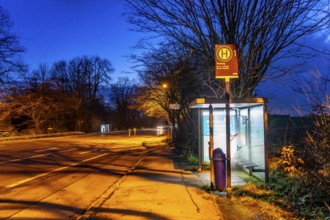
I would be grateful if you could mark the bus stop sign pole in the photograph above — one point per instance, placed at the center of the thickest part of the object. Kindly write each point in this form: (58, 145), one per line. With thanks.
(228, 171)
(226, 67)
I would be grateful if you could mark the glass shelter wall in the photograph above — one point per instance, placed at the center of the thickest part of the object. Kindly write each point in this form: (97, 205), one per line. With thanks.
(219, 130)
(247, 132)
(251, 142)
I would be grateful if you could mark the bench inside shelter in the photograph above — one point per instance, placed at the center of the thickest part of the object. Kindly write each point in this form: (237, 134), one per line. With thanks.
(248, 165)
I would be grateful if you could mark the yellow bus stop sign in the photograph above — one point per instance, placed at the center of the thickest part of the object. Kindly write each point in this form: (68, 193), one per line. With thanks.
(226, 62)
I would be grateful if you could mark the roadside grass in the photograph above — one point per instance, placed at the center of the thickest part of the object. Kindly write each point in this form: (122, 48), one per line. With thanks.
(283, 193)
(192, 159)
(281, 198)
(252, 201)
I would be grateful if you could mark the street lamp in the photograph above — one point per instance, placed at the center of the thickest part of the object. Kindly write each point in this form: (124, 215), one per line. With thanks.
(169, 126)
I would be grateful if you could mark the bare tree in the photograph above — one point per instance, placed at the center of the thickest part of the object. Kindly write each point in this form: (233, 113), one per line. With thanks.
(34, 108)
(81, 79)
(81, 76)
(122, 95)
(33, 104)
(314, 88)
(10, 50)
(170, 76)
(264, 31)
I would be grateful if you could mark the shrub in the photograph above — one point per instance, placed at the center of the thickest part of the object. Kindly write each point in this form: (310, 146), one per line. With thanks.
(289, 162)
(192, 159)
(316, 167)
(308, 171)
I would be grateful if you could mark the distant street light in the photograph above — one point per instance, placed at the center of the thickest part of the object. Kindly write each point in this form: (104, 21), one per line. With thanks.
(169, 125)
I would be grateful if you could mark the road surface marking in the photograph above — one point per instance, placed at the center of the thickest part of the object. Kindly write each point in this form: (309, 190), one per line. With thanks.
(85, 152)
(10, 186)
(35, 156)
(52, 148)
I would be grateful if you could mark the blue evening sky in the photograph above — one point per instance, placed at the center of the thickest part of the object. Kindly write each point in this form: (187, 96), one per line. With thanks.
(52, 30)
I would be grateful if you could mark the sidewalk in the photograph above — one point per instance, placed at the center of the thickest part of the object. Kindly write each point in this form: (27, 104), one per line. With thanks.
(158, 190)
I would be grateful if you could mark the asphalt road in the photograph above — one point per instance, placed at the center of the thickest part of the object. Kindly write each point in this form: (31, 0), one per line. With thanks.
(60, 178)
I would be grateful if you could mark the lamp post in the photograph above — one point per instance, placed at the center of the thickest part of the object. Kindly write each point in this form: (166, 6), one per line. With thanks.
(169, 126)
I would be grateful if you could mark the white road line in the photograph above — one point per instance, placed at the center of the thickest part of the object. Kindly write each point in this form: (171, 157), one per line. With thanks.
(35, 156)
(24, 158)
(85, 152)
(10, 186)
(52, 148)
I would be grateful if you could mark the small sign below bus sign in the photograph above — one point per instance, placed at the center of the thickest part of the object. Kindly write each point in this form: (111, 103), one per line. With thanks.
(174, 106)
(226, 62)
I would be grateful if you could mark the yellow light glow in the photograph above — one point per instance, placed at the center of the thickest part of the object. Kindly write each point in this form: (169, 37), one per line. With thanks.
(200, 101)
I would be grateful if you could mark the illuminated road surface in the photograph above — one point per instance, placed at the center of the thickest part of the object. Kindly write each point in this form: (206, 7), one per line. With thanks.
(60, 178)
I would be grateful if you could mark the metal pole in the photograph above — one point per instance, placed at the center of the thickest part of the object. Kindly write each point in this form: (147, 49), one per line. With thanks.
(227, 81)
(211, 146)
(200, 149)
(266, 142)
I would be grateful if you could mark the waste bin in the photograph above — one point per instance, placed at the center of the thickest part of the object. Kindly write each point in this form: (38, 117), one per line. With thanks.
(219, 161)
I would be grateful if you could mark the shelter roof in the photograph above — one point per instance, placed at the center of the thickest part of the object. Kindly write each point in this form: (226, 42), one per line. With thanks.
(221, 103)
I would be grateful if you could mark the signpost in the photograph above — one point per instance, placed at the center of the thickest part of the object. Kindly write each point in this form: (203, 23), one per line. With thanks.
(174, 106)
(226, 63)
(226, 67)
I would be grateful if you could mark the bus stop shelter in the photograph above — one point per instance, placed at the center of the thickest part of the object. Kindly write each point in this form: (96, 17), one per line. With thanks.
(248, 133)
